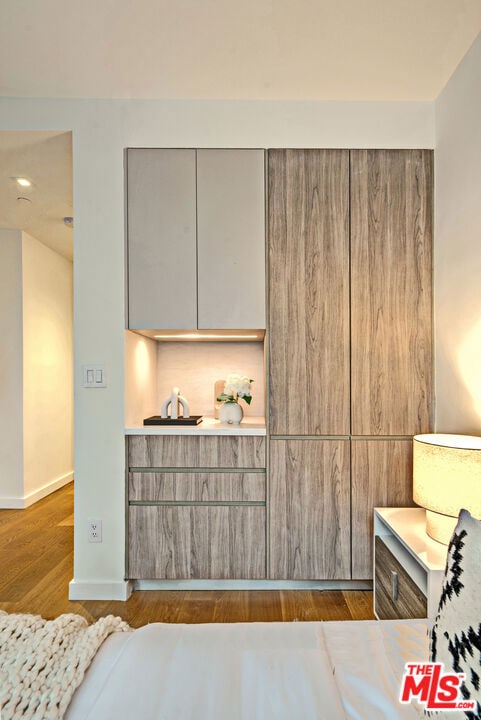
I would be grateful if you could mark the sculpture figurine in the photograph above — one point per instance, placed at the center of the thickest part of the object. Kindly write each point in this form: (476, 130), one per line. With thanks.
(174, 401)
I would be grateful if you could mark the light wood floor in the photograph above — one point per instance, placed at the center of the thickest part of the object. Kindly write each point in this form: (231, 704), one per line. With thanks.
(36, 565)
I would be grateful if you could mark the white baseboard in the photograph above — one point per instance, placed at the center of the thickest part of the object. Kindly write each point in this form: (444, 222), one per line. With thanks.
(253, 585)
(19, 503)
(99, 590)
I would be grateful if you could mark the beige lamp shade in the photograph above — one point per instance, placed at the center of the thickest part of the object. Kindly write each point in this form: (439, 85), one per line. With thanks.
(446, 478)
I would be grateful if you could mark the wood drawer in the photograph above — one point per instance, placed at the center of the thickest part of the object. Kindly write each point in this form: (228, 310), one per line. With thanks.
(197, 487)
(174, 542)
(202, 451)
(410, 601)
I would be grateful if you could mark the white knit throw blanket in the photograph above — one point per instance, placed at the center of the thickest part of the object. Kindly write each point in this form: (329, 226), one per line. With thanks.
(42, 662)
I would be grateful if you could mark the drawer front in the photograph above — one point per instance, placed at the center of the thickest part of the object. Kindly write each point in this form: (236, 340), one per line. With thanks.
(196, 542)
(409, 601)
(202, 451)
(197, 487)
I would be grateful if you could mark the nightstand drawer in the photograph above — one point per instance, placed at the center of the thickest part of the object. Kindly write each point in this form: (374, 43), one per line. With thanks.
(396, 595)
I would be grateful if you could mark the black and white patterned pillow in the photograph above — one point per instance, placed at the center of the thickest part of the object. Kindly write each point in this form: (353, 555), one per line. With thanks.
(456, 634)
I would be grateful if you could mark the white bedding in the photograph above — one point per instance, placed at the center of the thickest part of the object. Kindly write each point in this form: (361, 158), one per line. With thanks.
(369, 659)
(253, 671)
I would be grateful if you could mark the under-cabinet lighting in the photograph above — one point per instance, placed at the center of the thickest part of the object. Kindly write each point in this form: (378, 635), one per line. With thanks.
(198, 336)
(208, 335)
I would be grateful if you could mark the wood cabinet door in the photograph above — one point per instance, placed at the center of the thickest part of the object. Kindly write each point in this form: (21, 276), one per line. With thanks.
(174, 542)
(382, 476)
(201, 451)
(310, 524)
(391, 278)
(231, 239)
(161, 226)
(151, 486)
(308, 239)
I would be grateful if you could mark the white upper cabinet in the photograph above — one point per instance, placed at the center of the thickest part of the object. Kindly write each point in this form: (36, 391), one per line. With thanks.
(161, 221)
(231, 239)
(196, 239)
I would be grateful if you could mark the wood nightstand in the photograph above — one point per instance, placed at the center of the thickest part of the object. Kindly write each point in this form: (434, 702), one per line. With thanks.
(408, 565)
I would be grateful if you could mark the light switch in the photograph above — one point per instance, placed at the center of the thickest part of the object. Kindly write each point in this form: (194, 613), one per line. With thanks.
(93, 376)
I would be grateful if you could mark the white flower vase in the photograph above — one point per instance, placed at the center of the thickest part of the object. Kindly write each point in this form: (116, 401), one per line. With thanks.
(231, 413)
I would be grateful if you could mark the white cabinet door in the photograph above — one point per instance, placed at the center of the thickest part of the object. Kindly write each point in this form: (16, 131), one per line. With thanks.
(196, 239)
(231, 239)
(162, 274)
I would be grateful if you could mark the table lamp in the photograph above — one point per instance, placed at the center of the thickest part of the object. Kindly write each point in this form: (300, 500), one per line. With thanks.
(446, 478)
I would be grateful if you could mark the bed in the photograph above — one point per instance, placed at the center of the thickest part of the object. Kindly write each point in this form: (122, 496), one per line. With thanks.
(351, 670)
(253, 671)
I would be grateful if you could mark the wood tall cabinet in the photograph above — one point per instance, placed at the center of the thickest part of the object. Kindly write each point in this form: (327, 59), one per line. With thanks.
(195, 238)
(391, 348)
(308, 252)
(350, 349)
(391, 330)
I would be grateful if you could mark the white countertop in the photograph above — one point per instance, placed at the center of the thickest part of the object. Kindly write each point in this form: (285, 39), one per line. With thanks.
(208, 426)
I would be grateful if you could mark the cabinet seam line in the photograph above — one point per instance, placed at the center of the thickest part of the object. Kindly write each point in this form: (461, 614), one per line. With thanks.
(196, 244)
(349, 274)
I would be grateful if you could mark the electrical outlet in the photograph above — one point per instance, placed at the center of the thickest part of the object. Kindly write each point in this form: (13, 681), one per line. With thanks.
(95, 530)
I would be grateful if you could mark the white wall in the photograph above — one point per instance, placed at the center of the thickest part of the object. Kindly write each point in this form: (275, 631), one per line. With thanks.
(101, 131)
(47, 369)
(196, 366)
(11, 370)
(36, 378)
(140, 378)
(457, 258)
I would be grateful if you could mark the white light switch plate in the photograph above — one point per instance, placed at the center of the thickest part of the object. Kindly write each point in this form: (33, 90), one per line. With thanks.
(94, 376)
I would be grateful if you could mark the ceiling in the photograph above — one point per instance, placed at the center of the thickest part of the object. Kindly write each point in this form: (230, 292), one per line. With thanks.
(256, 49)
(373, 50)
(45, 158)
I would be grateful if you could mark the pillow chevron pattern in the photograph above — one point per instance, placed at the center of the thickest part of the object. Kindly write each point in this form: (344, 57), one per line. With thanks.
(456, 634)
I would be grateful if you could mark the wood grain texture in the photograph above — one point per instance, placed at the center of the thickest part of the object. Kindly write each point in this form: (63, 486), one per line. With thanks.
(308, 251)
(391, 278)
(410, 602)
(310, 510)
(197, 487)
(381, 477)
(203, 451)
(21, 532)
(27, 537)
(176, 542)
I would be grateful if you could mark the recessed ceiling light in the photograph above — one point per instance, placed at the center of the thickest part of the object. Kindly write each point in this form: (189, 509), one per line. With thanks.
(24, 199)
(22, 181)
(68, 221)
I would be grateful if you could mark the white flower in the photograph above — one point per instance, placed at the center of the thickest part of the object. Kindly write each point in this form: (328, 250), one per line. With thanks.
(237, 386)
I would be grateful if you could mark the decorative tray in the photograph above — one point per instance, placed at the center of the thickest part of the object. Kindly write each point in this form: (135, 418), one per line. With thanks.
(158, 420)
